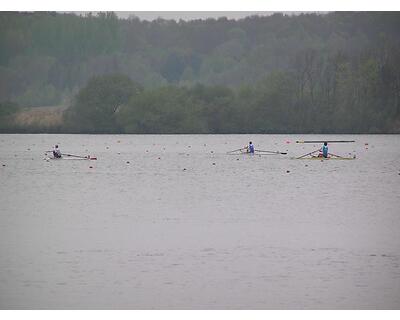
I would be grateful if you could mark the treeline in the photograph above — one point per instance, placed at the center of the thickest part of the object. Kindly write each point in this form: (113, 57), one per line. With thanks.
(45, 58)
(354, 101)
(338, 72)
(280, 103)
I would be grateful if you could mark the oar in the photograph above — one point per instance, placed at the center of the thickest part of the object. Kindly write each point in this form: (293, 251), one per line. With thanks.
(322, 141)
(236, 150)
(81, 157)
(73, 155)
(305, 155)
(335, 155)
(277, 152)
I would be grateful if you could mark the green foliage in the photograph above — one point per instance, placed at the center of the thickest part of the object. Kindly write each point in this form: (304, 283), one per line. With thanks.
(45, 95)
(177, 110)
(97, 103)
(336, 72)
(7, 110)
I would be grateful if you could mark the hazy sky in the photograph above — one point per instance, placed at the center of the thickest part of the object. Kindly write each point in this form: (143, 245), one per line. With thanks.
(190, 15)
(151, 15)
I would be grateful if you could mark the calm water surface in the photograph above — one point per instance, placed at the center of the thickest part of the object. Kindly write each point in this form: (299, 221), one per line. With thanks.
(172, 222)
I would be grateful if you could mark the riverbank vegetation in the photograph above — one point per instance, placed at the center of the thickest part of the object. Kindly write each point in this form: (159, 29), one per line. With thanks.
(310, 73)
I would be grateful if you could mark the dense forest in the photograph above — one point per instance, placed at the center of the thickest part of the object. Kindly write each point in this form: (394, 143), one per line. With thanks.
(311, 73)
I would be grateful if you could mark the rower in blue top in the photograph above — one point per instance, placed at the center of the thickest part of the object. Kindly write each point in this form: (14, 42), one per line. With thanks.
(250, 148)
(325, 150)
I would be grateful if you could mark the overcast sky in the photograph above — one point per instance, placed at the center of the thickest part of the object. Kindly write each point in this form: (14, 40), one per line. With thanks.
(151, 15)
(191, 15)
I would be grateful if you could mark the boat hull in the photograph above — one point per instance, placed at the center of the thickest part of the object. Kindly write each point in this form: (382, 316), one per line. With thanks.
(252, 154)
(64, 158)
(323, 159)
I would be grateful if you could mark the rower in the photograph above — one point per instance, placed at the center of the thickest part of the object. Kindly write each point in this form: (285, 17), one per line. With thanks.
(56, 152)
(324, 150)
(250, 148)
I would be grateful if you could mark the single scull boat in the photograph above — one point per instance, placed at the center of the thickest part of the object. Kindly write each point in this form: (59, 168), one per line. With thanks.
(316, 155)
(67, 156)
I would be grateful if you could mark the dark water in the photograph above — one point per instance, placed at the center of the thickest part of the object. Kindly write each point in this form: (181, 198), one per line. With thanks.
(185, 226)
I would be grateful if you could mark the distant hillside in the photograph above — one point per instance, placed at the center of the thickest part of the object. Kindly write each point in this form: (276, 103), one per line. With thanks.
(46, 58)
(309, 73)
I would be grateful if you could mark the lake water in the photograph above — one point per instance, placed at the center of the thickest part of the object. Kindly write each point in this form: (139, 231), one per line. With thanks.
(173, 222)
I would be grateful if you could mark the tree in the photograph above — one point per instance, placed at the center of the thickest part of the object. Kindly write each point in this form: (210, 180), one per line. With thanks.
(98, 102)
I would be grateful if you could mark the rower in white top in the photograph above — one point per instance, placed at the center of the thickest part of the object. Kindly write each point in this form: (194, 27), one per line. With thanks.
(56, 152)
